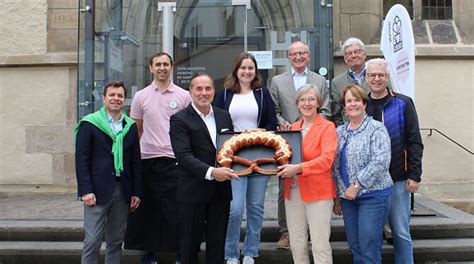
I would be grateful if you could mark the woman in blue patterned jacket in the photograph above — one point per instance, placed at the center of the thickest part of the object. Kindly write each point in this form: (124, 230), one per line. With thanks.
(363, 182)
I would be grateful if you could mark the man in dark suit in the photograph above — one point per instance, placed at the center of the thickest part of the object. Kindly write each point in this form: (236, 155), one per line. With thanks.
(109, 174)
(283, 89)
(204, 192)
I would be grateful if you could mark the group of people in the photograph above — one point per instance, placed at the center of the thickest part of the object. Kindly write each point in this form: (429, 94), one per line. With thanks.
(149, 180)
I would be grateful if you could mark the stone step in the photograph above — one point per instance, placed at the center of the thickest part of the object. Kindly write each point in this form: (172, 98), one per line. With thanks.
(55, 230)
(425, 251)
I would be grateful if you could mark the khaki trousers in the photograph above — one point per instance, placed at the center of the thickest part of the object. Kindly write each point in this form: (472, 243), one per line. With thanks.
(315, 215)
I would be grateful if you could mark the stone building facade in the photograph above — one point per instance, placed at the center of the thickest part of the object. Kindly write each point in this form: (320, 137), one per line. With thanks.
(39, 81)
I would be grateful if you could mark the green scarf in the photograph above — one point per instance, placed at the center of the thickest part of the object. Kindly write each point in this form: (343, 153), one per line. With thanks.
(101, 121)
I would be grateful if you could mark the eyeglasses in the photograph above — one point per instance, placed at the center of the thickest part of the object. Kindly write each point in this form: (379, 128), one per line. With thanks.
(300, 53)
(310, 100)
(354, 52)
(374, 75)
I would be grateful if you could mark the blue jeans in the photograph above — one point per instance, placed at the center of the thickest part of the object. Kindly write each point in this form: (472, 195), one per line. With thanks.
(399, 220)
(364, 220)
(249, 191)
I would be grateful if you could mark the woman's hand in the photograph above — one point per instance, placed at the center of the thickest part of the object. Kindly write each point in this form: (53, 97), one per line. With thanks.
(337, 208)
(289, 170)
(351, 192)
(284, 127)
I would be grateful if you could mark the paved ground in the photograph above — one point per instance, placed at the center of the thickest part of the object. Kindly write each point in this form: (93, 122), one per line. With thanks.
(67, 207)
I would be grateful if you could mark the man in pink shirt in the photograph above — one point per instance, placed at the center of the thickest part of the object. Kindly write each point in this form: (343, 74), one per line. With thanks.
(153, 228)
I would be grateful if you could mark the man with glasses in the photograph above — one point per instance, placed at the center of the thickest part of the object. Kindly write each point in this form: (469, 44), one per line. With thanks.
(354, 58)
(398, 114)
(283, 89)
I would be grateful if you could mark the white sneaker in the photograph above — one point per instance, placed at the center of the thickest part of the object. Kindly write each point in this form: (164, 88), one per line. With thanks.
(232, 261)
(248, 260)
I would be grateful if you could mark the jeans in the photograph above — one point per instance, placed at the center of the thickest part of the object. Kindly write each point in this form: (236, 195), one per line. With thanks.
(399, 219)
(364, 220)
(249, 191)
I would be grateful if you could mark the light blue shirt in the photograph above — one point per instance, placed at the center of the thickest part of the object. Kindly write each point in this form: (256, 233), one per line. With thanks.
(299, 79)
(116, 126)
(357, 77)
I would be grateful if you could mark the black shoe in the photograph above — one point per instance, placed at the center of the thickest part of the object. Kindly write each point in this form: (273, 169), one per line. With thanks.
(149, 258)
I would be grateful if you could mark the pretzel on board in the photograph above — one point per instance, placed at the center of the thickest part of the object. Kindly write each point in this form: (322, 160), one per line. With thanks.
(226, 154)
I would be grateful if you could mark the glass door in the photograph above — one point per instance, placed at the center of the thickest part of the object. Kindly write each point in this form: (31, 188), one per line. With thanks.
(212, 35)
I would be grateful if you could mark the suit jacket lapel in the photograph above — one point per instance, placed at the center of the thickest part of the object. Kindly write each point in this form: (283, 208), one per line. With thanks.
(289, 85)
(218, 117)
(199, 121)
(309, 77)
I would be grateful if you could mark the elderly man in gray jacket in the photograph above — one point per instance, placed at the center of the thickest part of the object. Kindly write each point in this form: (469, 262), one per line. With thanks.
(283, 89)
(354, 58)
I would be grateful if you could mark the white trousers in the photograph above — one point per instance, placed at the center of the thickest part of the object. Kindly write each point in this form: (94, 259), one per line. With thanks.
(315, 215)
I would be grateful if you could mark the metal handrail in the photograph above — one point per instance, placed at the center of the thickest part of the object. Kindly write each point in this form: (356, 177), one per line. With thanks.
(450, 139)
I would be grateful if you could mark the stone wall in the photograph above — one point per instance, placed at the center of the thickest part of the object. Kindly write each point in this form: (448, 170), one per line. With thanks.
(37, 117)
(38, 75)
(23, 27)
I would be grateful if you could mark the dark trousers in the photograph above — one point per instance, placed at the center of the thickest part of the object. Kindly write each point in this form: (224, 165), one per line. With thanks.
(210, 219)
(154, 225)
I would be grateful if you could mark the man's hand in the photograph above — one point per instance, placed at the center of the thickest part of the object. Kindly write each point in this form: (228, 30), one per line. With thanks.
(134, 203)
(223, 174)
(88, 199)
(255, 129)
(412, 186)
(289, 170)
(337, 208)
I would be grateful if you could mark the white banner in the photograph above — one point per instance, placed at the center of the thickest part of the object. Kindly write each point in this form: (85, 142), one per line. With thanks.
(398, 47)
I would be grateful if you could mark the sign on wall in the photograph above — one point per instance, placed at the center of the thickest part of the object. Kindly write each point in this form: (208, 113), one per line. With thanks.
(264, 59)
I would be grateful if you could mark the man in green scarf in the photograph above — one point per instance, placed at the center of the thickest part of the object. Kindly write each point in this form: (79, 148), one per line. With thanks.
(109, 174)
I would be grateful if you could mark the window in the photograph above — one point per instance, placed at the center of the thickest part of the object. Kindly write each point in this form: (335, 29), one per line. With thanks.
(408, 4)
(437, 9)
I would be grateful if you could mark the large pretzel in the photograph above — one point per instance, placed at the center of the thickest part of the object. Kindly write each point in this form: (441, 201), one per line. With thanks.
(226, 155)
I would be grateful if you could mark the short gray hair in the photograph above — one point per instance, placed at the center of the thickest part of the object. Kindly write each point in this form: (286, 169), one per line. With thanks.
(351, 42)
(306, 46)
(306, 88)
(377, 62)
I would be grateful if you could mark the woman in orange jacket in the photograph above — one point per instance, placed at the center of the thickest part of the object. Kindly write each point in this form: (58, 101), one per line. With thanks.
(309, 185)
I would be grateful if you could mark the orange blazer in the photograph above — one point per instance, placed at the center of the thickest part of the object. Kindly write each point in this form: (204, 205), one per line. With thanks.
(319, 149)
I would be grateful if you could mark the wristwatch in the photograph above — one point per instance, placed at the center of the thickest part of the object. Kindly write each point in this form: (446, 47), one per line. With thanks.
(356, 185)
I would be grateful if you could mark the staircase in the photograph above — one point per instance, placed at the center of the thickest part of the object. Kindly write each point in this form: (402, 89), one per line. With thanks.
(446, 237)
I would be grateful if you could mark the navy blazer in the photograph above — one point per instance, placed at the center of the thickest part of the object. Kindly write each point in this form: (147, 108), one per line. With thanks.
(95, 170)
(266, 107)
(195, 152)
